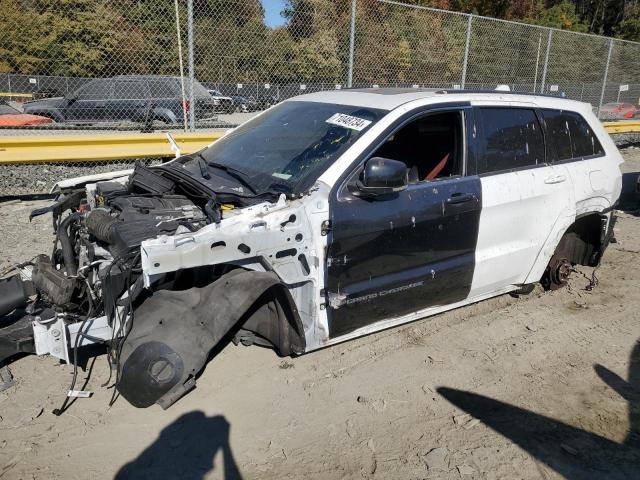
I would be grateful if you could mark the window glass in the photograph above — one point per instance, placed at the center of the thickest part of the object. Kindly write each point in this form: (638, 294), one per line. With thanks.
(287, 148)
(164, 88)
(584, 143)
(430, 146)
(128, 90)
(95, 90)
(511, 138)
(570, 135)
(198, 89)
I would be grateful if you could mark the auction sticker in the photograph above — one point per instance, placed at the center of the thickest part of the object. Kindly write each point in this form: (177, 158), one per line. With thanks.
(347, 121)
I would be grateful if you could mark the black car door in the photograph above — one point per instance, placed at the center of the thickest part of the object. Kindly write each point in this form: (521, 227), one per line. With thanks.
(400, 253)
(130, 100)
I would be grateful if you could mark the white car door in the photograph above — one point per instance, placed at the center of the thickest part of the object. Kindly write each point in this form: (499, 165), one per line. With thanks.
(576, 147)
(524, 199)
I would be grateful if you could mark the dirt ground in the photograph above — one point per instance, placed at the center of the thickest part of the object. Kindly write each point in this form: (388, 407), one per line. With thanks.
(544, 386)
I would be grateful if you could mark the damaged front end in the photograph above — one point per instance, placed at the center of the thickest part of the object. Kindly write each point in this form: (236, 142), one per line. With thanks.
(159, 326)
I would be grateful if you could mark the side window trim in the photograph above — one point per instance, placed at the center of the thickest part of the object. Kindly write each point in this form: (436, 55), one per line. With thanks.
(545, 138)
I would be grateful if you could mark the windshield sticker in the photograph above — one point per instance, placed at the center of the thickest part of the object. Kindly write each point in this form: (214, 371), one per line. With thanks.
(283, 176)
(347, 121)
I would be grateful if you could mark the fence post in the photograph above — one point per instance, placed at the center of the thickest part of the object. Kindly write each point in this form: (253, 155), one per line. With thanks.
(546, 62)
(352, 39)
(192, 103)
(606, 73)
(535, 77)
(463, 80)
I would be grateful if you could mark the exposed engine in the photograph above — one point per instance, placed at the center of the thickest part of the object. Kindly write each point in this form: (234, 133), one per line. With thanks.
(94, 269)
(96, 247)
(91, 287)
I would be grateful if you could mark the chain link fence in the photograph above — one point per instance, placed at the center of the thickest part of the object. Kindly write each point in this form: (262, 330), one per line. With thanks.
(144, 65)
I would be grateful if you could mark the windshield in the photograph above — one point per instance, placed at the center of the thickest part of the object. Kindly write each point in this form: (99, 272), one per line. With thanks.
(288, 147)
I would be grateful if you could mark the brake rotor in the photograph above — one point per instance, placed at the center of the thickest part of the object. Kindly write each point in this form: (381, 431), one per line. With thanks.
(559, 270)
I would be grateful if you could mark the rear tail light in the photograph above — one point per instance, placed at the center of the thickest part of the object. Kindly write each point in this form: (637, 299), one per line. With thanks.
(186, 105)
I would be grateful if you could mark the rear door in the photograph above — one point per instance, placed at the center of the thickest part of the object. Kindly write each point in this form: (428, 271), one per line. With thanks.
(130, 100)
(523, 196)
(575, 148)
(397, 254)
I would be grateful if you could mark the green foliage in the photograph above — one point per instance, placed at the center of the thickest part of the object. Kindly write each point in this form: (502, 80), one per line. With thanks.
(232, 43)
(55, 37)
(562, 16)
(629, 29)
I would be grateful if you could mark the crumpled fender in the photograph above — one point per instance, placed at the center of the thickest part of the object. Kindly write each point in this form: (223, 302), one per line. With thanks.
(173, 333)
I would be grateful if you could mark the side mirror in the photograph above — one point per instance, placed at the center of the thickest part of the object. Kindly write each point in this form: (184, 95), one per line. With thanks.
(382, 176)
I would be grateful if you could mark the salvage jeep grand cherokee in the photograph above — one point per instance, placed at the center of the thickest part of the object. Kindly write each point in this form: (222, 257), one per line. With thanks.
(330, 216)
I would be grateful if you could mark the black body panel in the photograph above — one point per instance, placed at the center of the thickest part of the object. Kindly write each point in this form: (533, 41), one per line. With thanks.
(394, 256)
(402, 252)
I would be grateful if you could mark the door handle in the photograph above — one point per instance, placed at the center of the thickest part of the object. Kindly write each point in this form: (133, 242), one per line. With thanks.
(460, 198)
(555, 179)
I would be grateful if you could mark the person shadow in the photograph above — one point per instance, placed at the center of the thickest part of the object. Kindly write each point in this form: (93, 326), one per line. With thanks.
(185, 449)
(572, 452)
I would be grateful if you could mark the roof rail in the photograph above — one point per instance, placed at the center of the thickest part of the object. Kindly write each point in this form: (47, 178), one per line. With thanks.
(500, 92)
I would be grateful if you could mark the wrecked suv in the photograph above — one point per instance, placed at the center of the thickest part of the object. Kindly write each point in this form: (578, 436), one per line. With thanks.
(330, 216)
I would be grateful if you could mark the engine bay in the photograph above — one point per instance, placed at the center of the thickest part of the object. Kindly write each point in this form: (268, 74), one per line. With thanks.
(113, 237)
(94, 270)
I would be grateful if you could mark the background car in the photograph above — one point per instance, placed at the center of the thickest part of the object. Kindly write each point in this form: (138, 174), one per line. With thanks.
(224, 104)
(132, 98)
(245, 104)
(12, 117)
(618, 111)
(266, 101)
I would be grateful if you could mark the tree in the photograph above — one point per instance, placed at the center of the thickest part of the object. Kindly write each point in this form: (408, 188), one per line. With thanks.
(65, 37)
(562, 16)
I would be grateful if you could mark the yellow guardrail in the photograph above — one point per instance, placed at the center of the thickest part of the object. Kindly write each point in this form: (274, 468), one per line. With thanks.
(96, 148)
(632, 126)
(22, 95)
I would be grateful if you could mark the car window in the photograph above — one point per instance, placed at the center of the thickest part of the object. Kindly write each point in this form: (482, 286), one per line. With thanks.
(99, 89)
(198, 89)
(570, 135)
(430, 146)
(511, 138)
(288, 147)
(164, 88)
(129, 90)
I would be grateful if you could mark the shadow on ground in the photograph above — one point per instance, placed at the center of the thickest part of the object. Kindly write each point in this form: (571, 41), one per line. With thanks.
(630, 194)
(572, 452)
(186, 449)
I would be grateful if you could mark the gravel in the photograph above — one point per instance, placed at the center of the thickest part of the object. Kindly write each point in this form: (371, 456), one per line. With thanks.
(16, 180)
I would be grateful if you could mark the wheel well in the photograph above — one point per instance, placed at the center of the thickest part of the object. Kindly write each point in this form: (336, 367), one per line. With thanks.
(273, 321)
(585, 240)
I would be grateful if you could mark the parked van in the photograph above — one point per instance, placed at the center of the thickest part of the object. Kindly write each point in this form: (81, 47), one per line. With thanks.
(329, 216)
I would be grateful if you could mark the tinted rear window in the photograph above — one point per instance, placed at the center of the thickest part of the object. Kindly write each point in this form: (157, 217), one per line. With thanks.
(95, 90)
(511, 138)
(129, 90)
(570, 135)
(168, 88)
